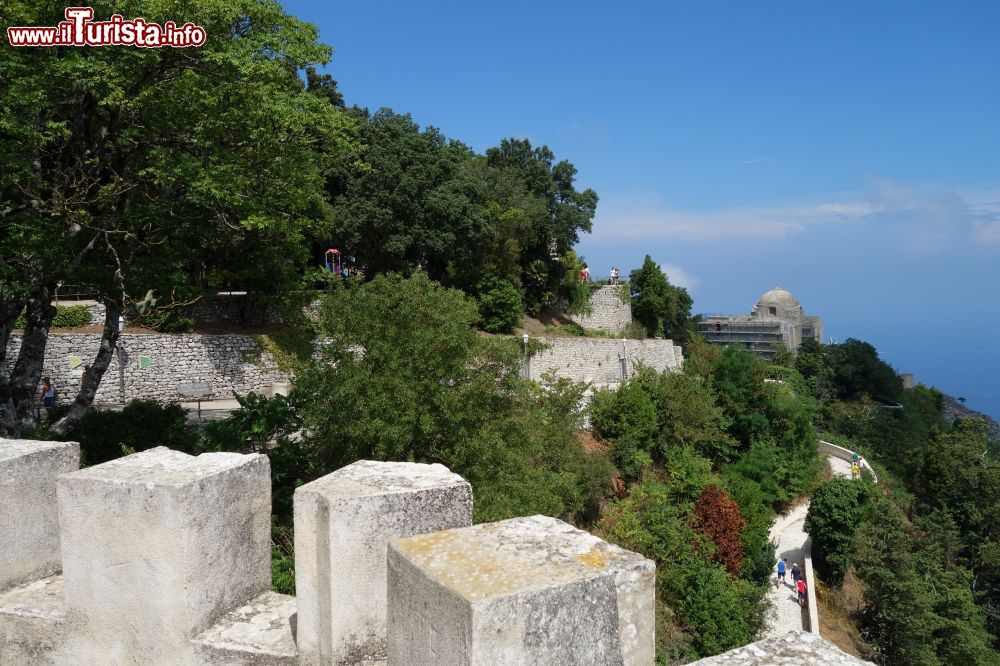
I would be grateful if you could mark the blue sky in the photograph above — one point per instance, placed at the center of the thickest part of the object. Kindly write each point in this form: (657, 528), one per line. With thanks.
(848, 150)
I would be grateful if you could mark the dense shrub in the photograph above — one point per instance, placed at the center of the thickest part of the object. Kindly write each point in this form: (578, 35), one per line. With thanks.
(703, 609)
(428, 388)
(166, 320)
(142, 424)
(67, 316)
(836, 511)
(500, 307)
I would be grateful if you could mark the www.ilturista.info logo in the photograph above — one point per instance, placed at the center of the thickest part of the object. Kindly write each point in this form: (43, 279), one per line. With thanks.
(79, 30)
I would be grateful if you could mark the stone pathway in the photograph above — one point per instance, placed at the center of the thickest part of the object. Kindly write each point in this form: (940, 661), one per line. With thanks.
(787, 533)
(790, 538)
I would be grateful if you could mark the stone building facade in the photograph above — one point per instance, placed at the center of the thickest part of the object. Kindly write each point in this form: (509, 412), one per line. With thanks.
(776, 318)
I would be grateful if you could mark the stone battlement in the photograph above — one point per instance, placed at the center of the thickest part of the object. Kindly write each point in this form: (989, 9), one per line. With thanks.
(608, 310)
(164, 558)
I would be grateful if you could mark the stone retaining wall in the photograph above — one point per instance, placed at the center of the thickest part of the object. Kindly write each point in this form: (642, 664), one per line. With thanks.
(154, 366)
(609, 312)
(602, 360)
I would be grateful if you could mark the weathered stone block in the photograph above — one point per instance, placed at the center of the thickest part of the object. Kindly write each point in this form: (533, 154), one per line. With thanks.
(156, 547)
(522, 591)
(32, 622)
(260, 633)
(343, 523)
(29, 522)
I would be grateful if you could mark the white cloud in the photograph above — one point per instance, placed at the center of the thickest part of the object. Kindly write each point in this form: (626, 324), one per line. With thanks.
(633, 215)
(679, 277)
(928, 220)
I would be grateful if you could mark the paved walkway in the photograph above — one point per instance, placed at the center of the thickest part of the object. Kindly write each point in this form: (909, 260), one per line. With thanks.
(211, 410)
(787, 533)
(790, 538)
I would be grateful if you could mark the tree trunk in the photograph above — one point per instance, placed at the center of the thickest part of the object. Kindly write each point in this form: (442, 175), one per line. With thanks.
(28, 368)
(10, 308)
(88, 388)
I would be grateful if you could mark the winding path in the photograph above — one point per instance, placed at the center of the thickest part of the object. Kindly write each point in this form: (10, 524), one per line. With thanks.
(792, 544)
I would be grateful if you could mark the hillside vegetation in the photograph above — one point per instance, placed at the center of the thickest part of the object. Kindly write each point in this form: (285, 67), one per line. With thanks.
(151, 177)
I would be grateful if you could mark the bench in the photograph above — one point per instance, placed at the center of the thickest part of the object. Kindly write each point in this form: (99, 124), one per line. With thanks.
(197, 391)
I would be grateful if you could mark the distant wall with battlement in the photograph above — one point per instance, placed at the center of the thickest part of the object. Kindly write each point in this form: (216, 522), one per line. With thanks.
(609, 312)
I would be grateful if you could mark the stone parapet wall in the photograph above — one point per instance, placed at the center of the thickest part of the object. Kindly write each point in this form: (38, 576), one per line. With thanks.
(795, 647)
(155, 366)
(602, 360)
(811, 603)
(165, 560)
(609, 312)
(846, 455)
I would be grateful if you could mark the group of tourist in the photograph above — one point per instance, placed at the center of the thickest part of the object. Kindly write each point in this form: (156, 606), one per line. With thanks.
(798, 579)
(615, 275)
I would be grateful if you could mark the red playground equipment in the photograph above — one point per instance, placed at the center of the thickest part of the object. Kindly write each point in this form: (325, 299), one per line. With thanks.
(332, 261)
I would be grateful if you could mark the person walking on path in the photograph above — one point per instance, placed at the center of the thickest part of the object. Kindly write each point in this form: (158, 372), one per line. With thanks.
(796, 573)
(801, 589)
(781, 572)
(855, 471)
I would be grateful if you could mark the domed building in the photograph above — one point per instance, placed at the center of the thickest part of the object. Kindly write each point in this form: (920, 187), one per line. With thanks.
(777, 317)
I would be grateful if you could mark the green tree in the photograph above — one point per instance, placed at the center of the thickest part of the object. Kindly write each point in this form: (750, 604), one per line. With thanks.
(126, 169)
(916, 611)
(857, 369)
(688, 414)
(836, 511)
(500, 306)
(416, 205)
(405, 363)
(658, 305)
(528, 184)
(627, 418)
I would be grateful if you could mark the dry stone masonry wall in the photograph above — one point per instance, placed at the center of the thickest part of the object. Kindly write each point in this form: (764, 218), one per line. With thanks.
(161, 558)
(609, 312)
(602, 361)
(156, 366)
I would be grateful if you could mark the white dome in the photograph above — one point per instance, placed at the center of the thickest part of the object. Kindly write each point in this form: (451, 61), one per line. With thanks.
(777, 298)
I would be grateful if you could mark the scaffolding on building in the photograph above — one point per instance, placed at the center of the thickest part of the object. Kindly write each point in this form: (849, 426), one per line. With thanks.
(756, 335)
